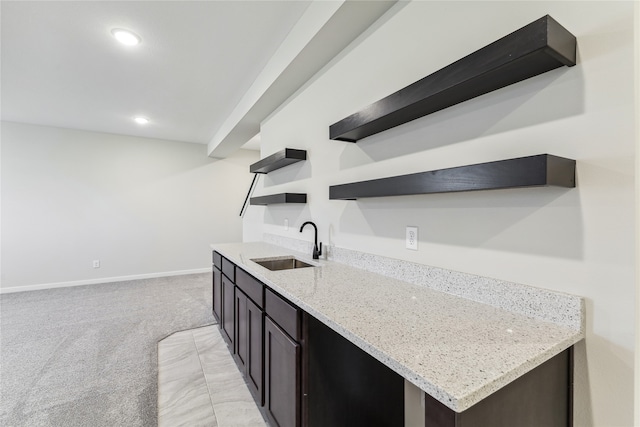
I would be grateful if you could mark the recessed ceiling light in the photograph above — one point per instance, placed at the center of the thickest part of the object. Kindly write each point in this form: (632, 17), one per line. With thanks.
(141, 120)
(126, 37)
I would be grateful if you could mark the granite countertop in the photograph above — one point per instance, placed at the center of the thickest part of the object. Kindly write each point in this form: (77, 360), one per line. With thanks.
(457, 350)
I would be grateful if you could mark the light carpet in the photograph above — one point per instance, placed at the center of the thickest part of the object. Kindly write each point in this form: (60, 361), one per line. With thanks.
(87, 355)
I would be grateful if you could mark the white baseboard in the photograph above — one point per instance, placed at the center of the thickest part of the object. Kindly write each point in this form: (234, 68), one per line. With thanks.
(11, 289)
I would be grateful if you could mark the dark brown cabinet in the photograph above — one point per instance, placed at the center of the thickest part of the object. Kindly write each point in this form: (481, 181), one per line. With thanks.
(302, 373)
(241, 330)
(269, 341)
(217, 294)
(266, 331)
(282, 376)
(541, 397)
(223, 296)
(250, 332)
(255, 351)
(282, 361)
(227, 324)
(249, 328)
(216, 287)
(344, 386)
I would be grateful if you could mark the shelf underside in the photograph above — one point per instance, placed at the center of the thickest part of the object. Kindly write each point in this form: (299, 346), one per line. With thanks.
(532, 171)
(279, 199)
(278, 160)
(536, 48)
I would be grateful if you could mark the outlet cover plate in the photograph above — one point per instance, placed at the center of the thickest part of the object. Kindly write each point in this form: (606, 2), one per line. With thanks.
(412, 238)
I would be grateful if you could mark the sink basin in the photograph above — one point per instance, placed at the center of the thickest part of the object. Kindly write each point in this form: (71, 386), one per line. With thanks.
(281, 263)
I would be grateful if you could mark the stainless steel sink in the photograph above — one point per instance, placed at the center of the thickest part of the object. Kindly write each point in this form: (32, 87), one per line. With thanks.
(281, 263)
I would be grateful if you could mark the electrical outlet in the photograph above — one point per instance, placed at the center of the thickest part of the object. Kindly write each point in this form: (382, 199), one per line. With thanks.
(412, 238)
(286, 223)
(96, 263)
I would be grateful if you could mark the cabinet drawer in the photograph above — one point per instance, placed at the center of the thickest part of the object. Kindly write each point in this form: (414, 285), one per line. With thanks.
(250, 286)
(287, 316)
(217, 260)
(229, 269)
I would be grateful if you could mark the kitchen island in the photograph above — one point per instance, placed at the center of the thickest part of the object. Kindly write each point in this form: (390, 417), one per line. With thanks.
(458, 350)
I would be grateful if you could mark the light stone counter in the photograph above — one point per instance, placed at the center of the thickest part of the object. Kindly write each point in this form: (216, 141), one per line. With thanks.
(455, 349)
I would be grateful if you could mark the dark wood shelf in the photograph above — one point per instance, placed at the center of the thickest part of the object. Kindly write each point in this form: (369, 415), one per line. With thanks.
(536, 48)
(278, 160)
(533, 171)
(280, 198)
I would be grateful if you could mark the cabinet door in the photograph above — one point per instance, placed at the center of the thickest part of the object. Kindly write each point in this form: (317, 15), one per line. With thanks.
(345, 386)
(217, 294)
(255, 351)
(241, 331)
(228, 312)
(282, 376)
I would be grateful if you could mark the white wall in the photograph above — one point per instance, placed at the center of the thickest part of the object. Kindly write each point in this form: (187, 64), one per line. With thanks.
(140, 206)
(579, 241)
(637, 92)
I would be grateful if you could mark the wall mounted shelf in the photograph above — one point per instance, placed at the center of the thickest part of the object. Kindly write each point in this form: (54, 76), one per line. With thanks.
(279, 198)
(532, 171)
(536, 48)
(278, 160)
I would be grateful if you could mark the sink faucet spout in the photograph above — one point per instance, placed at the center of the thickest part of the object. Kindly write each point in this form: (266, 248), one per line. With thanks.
(316, 251)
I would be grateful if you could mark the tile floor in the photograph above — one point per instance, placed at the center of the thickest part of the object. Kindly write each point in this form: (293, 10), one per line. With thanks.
(200, 385)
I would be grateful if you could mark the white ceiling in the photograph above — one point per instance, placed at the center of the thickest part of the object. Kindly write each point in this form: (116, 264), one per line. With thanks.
(61, 66)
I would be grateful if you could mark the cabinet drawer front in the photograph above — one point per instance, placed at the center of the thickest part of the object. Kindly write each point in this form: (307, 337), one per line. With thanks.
(250, 286)
(217, 260)
(283, 313)
(229, 269)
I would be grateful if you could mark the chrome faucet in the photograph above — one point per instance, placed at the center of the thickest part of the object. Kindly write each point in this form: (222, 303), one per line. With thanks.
(316, 252)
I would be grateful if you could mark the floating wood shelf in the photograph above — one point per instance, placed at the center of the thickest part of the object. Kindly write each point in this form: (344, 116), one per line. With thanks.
(279, 198)
(278, 160)
(536, 48)
(532, 171)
